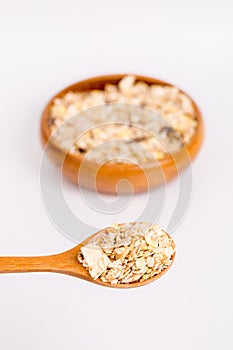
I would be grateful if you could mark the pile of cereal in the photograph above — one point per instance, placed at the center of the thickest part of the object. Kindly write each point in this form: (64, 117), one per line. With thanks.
(128, 253)
(174, 123)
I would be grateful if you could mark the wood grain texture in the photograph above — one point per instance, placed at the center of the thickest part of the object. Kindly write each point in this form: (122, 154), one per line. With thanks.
(64, 263)
(109, 175)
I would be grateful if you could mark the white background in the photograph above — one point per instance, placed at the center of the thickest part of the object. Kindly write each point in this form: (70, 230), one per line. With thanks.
(46, 45)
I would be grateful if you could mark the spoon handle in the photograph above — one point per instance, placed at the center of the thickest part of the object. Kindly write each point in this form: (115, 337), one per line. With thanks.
(29, 264)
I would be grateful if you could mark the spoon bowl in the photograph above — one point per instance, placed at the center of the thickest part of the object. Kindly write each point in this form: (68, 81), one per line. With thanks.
(66, 263)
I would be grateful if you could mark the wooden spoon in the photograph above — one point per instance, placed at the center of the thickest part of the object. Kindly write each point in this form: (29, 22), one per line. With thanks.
(65, 263)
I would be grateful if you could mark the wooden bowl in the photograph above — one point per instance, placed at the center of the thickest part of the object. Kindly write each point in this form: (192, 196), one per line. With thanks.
(107, 177)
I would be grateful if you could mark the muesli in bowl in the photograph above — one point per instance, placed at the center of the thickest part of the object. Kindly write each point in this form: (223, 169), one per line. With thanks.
(122, 127)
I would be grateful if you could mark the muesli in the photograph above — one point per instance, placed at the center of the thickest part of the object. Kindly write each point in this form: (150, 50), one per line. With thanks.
(137, 138)
(127, 253)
